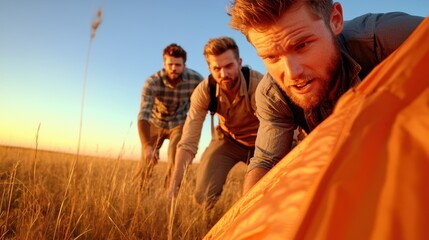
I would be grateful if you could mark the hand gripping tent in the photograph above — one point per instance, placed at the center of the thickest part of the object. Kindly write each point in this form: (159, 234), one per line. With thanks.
(363, 173)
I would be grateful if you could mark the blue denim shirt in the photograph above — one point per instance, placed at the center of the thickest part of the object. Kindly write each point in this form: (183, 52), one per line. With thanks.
(365, 42)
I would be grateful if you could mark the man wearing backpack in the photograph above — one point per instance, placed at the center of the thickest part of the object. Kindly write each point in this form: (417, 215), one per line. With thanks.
(233, 140)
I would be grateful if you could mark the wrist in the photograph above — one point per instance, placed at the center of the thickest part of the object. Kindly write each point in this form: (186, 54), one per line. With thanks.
(145, 146)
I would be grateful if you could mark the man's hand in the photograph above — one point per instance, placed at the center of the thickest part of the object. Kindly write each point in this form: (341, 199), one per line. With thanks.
(150, 155)
(252, 178)
(183, 159)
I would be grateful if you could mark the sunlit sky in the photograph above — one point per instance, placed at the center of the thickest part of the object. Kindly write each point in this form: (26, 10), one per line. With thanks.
(43, 53)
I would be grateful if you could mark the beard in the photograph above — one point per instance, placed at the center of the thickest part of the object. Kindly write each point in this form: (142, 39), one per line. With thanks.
(173, 76)
(326, 82)
(230, 84)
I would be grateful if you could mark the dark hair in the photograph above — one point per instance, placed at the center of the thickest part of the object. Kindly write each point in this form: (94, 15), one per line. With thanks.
(174, 50)
(217, 46)
(260, 14)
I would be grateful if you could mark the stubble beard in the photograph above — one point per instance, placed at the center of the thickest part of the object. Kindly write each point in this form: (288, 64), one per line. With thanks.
(231, 84)
(172, 78)
(326, 85)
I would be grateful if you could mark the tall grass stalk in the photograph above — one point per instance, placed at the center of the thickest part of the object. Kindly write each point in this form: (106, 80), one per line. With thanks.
(171, 218)
(122, 151)
(173, 205)
(9, 194)
(94, 26)
(35, 153)
(120, 155)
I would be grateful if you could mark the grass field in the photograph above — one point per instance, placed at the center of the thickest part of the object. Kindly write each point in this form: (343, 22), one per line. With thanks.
(51, 195)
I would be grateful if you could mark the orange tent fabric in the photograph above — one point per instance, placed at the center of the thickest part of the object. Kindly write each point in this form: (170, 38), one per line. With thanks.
(361, 174)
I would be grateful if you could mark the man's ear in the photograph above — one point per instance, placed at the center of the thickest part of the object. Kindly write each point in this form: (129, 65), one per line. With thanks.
(336, 21)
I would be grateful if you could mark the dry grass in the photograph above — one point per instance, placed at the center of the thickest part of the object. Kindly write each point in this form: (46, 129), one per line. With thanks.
(51, 195)
(40, 199)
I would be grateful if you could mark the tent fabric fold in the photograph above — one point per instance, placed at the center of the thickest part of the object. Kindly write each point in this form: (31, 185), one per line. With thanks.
(361, 174)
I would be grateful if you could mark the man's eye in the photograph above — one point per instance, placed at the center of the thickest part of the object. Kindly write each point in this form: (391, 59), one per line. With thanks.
(272, 59)
(302, 45)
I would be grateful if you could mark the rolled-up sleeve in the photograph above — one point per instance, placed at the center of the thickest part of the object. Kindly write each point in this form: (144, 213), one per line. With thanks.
(194, 121)
(276, 126)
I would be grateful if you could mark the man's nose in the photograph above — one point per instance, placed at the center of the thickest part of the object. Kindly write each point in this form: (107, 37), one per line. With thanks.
(293, 67)
(223, 73)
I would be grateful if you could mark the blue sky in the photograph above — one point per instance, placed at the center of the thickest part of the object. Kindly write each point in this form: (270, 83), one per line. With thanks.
(43, 52)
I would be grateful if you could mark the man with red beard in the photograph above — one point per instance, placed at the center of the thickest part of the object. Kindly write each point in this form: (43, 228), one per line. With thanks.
(312, 57)
(164, 106)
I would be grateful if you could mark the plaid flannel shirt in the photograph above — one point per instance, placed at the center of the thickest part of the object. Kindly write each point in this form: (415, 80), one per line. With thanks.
(164, 105)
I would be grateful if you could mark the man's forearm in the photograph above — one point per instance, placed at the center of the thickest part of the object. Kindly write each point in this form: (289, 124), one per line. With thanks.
(144, 132)
(183, 159)
(253, 177)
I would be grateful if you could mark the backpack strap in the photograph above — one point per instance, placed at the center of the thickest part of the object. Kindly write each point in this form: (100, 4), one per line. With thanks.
(213, 99)
(212, 87)
(246, 72)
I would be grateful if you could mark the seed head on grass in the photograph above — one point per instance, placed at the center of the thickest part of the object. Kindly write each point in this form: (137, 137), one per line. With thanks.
(96, 22)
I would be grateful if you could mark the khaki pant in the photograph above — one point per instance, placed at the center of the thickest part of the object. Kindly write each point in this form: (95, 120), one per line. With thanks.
(157, 137)
(217, 160)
